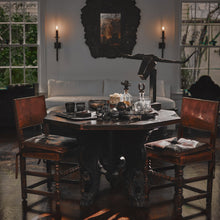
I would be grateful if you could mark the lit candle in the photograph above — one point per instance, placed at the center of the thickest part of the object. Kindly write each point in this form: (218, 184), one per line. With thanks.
(163, 35)
(57, 32)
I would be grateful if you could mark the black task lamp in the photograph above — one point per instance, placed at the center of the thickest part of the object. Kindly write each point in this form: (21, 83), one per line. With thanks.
(148, 68)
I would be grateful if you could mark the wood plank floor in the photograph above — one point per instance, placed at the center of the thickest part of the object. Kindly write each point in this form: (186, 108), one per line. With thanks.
(110, 203)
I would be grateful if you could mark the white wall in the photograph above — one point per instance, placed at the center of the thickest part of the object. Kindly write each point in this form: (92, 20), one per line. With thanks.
(75, 61)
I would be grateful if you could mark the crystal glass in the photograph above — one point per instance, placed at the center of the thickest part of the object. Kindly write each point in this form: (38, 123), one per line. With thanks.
(143, 105)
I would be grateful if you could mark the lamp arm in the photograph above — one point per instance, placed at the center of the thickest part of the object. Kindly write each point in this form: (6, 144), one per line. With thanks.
(157, 59)
(176, 61)
(147, 67)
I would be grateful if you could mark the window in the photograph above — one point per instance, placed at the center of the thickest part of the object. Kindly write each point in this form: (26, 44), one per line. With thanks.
(200, 30)
(18, 42)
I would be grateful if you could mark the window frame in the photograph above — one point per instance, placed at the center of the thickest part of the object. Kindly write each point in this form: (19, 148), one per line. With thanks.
(195, 70)
(22, 45)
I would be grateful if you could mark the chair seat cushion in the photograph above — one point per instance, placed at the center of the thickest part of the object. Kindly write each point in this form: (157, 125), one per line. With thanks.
(53, 143)
(174, 146)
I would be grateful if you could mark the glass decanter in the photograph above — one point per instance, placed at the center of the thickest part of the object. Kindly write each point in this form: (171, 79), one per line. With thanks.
(143, 104)
(126, 96)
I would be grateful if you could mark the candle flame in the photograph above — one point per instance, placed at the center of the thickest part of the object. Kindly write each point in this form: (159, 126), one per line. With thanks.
(56, 27)
(163, 28)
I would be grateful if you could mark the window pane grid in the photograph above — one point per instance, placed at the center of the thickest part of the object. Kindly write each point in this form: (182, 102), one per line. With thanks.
(19, 67)
(200, 31)
(21, 20)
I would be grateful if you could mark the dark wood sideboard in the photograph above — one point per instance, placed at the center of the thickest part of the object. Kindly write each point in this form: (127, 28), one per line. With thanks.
(6, 101)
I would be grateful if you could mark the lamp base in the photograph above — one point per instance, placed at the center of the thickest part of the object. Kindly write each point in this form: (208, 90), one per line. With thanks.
(156, 106)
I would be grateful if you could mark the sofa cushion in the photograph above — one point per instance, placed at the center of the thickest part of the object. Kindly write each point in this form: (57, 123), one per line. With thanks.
(166, 103)
(161, 88)
(75, 88)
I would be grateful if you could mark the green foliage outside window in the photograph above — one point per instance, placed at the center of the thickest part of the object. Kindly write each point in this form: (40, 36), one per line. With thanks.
(17, 56)
(22, 51)
(3, 15)
(17, 34)
(4, 76)
(17, 76)
(31, 75)
(31, 56)
(4, 30)
(4, 56)
(31, 33)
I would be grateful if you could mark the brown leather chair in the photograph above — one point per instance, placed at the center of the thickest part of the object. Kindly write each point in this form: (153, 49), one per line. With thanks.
(30, 112)
(195, 114)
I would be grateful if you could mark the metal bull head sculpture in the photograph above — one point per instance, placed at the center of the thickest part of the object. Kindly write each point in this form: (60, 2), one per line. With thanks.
(147, 68)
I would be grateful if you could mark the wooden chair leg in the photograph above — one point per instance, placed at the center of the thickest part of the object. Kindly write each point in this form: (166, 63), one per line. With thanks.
(49, 180)
(24, 210)
(211, 165)
(23, 186)
(147, 167)
(57, 192)
(23, 179)
(178, 192)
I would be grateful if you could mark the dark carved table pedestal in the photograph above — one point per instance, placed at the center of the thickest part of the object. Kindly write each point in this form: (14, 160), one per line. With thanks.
(106, 148)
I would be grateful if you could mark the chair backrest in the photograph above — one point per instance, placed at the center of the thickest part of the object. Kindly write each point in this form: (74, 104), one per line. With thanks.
(200, 114)
(29, 111)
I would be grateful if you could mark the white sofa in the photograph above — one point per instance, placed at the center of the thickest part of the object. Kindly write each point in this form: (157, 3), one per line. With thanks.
(60, 92)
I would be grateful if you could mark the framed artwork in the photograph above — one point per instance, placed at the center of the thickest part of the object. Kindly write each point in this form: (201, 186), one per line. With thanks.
(110, 27)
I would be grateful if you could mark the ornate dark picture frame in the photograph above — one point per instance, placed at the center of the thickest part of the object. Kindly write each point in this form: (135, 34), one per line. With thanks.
(110, 27)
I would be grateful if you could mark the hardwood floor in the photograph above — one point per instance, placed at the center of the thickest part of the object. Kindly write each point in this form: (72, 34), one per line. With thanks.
(110, 203)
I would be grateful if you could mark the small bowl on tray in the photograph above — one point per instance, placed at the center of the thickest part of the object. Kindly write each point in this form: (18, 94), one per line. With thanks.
(83, 114)
(95, 104)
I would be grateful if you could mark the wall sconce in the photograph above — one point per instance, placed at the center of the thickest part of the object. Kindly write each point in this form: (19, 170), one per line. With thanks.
(57, 44)
(162, 44)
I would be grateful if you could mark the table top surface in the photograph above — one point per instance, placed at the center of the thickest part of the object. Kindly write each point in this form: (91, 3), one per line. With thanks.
(164, 117)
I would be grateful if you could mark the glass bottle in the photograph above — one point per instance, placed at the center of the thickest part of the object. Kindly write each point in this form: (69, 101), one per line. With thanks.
(143, 104)
(126, 96)
(138, 106)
